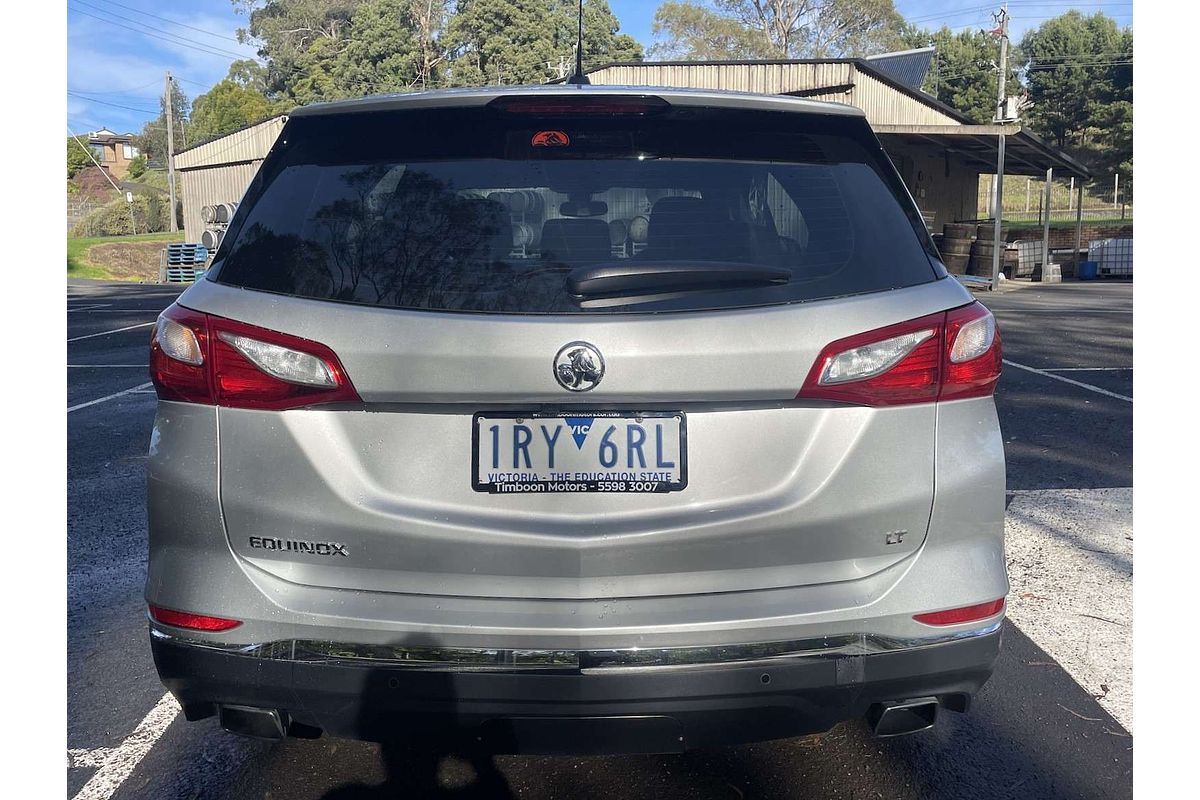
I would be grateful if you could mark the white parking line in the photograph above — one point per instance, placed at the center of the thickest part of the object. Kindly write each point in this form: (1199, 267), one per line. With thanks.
(114, 330)
(89, 307)
(99, 310)
(118, 763)
(1080, 384)
(1089, 369)
(113, 396)
(107, 366)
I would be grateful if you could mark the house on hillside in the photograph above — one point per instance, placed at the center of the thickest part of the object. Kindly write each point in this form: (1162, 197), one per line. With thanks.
(113, 150)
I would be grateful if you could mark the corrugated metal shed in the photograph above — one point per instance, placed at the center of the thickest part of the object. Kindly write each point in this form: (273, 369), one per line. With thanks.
(764, 77)
(851, 81)
(248, 144)
(906, 66)
(219, 171)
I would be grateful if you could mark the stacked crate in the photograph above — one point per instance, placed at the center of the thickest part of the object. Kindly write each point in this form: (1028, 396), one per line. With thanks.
(181, 263)
(1113, 257)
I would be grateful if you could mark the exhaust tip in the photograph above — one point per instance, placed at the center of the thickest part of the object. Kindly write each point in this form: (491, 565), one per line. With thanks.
(901, 717)
(259, 723)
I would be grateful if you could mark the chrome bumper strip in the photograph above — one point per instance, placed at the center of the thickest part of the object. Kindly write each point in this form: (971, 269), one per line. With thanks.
(577, 661)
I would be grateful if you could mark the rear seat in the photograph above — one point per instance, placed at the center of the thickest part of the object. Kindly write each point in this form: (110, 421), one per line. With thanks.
(575, 241)
(694, 228)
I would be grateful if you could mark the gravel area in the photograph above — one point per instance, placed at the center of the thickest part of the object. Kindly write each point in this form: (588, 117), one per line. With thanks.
(1070, 561)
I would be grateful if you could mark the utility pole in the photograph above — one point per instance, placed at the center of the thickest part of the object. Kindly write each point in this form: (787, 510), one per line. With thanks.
(1000, 30)
(169, 108)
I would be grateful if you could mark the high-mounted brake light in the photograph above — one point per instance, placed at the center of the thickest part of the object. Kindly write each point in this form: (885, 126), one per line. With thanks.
(957, 616)
(200, 358)
(583, 104)
(195, 622)
(948, 356)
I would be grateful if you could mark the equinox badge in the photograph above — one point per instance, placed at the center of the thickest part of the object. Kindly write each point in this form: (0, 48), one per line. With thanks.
(297, 546)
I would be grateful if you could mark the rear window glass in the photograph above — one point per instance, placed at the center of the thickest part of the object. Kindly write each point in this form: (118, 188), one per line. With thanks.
(479, 211)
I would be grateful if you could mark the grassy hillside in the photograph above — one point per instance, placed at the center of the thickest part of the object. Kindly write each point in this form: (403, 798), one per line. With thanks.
(80, 263)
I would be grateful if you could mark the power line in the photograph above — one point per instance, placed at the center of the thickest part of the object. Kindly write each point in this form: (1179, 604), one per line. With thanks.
(127, 92)
(179, 42)
(1045, 68)
(107, 103)
(170, 38)
(171, 21)
(142, 24)
(980, 10)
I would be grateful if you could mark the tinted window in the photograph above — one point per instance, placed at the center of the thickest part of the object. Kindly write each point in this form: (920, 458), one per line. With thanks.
(461, 211)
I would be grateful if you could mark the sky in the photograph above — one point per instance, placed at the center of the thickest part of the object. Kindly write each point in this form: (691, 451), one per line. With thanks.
(118, 50)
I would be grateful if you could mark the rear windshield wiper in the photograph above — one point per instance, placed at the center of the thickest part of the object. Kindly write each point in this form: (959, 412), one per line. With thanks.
(623, 277)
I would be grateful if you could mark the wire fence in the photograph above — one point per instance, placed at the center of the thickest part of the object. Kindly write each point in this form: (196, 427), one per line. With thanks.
(1024, 200)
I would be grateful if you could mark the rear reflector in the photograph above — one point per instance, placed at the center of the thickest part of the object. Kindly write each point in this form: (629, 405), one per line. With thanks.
(195, 622)
(948, 356)
(956, 616)
(199, 358)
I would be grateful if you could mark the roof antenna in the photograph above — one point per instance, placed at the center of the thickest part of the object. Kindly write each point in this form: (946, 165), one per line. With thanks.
(579, 78)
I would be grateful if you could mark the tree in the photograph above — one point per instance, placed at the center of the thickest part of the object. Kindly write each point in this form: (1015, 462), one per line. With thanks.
(526, 41)
(1080, 79)
(300, 41)
(328, 49)
(137, 166)
(152, 141)
(77, 157)
(964, 70)
(225, 108)
(687, 31)
(250, 74)
(733, 29)
(383, 52)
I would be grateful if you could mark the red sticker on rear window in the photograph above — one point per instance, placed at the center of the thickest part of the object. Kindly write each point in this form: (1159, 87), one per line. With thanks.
(550, 139)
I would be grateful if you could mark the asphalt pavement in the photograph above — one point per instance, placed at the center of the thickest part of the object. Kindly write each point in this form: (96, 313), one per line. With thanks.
(1065, 404)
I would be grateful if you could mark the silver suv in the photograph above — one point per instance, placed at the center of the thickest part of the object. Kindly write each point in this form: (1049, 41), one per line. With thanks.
(575, 419)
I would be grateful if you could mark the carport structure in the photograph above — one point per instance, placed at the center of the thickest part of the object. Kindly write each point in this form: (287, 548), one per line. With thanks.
(938, 151)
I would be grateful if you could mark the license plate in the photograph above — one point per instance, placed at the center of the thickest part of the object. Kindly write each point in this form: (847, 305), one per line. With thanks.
(612, 452)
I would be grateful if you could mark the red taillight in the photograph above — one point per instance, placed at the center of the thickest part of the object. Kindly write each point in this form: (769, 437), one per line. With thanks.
(200, 358)
(973, 358)
(581, 105)
(948, 355)
(956, 616)
(175, 375)
(911, 379)
(196, 622)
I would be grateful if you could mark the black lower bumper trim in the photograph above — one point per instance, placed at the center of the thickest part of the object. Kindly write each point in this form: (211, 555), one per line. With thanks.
(626, 711)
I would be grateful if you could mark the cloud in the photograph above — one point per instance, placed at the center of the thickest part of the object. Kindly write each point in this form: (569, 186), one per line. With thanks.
(123, 67)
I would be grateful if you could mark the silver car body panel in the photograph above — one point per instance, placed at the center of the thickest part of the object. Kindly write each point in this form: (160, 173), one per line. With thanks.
(781, 493)
(789, 529)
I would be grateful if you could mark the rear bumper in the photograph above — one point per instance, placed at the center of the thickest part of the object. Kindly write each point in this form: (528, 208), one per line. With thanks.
(610, 708)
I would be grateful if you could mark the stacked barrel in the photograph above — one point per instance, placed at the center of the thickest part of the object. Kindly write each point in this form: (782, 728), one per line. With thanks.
(216, 219)
(628, 236)
(968, 249)
(984, 249)
(956, 246)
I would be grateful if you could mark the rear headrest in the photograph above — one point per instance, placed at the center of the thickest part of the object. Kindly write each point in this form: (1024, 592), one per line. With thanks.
(686, 227)
(575, 240)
